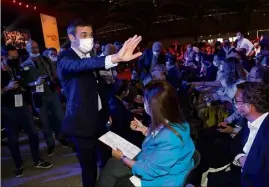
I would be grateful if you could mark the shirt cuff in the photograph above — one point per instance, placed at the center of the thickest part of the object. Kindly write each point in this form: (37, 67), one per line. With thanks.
(108, 63)
(236, 159)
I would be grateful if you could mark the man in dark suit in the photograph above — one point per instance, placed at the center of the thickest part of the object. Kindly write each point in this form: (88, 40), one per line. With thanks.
(150, 58)
(85, 92)
(250, 167)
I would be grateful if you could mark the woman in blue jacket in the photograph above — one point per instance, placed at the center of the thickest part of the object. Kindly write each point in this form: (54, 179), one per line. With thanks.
(167, 150)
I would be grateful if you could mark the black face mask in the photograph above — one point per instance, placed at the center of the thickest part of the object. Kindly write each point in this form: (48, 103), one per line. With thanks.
(13, 63)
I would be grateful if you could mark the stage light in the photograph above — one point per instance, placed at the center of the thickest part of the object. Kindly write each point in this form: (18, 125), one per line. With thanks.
(20, 3)
(14, 1)
(34, 7)
(27, 6)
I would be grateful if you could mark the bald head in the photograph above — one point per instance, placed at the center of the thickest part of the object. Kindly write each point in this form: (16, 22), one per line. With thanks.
(157, 47)
(110, 49)
(32, 47)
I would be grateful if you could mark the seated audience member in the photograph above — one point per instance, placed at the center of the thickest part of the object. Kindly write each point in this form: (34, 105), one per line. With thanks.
(158, 72)
(167, 151)
(121, 116)
(263, 57)
(259, 74)
(15, 112)
(173, 73)
(243, 59)
(218, 62)
(150, 58)
(251, 163)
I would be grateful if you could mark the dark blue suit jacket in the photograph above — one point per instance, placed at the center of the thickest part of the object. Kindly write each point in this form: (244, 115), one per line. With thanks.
(121, 120)
(256, 169)
(81, 89)
(144, 63)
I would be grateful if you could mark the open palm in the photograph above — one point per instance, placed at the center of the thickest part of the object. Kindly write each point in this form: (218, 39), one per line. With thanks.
(126, 52)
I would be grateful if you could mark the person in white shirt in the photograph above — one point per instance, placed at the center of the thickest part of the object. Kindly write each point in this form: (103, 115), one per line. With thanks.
(243, 42)
(252, 162)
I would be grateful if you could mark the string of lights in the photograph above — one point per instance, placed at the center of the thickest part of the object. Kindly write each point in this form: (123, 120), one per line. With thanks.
(21, 4)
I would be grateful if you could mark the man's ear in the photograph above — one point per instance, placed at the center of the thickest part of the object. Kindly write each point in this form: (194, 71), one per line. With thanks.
(71, 37)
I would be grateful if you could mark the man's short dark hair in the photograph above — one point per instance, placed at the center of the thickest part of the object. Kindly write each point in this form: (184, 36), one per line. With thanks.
(6, 49)
(52, 49)
(76, 23)
(120, 86)
(256, 94)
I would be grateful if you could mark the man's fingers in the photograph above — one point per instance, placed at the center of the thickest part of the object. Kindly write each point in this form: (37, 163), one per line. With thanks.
(136, 55)
(134, 42)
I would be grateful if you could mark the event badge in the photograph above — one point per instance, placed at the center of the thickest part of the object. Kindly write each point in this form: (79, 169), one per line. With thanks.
(40, 88)
(18, 100)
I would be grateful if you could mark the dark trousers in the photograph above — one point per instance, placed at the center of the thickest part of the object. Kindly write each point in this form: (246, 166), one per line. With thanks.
(215, 150)
(12, 118)
(225, 179)
(51, 107)
(115, 174)
(90, 151)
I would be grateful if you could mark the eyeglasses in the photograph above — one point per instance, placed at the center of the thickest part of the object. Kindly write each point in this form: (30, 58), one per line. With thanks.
(235, 101)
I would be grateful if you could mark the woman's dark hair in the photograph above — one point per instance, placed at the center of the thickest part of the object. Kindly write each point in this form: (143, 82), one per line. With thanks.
(120, 86)
(262, 73)
(233, 71)
(163, 103)
(256, 94)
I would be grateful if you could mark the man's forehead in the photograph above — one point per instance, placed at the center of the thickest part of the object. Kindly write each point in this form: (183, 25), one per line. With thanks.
(87, 29)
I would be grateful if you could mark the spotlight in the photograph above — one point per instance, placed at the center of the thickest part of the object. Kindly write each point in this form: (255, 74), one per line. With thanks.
(27, 6)
(34, 7)
(14, 1)
(20, 3)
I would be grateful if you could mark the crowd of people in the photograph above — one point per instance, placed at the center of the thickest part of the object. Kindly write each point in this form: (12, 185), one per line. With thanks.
(224, 87)
(16, 38)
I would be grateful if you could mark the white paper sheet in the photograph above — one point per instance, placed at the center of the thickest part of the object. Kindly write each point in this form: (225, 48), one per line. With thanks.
(115, 141)
(136, 181)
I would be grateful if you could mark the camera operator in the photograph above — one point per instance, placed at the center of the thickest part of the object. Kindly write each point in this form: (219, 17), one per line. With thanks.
(15, 111)
(40, 75)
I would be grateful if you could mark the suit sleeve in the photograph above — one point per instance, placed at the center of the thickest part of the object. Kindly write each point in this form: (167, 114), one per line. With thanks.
(157, 164)
(68, 64)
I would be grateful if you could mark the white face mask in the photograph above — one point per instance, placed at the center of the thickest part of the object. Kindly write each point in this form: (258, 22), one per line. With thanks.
(34, 55)
(243, 109)
(54, 59)
(216, 63)
(85, 45)
(156, 53)
(221, 67)
(146, 107)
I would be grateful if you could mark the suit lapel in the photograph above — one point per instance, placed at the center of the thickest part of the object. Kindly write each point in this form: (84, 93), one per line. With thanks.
(254, 159)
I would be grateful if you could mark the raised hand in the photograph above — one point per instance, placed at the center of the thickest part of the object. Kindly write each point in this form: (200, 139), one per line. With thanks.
(126, 52)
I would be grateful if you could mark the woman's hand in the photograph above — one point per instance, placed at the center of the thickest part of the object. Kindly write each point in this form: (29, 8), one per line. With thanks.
(136, 125)
(117, 154)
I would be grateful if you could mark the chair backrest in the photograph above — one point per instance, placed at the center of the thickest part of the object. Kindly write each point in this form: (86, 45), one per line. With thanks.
(197, 158)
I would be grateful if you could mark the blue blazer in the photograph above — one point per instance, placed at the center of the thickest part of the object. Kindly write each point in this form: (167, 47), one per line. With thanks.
(256, 169)
(165, 159)
(81, 88)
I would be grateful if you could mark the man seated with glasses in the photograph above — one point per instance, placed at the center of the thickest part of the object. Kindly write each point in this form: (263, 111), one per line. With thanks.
(251, 164)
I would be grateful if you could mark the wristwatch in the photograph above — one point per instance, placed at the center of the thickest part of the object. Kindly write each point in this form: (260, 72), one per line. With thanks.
(122, 158)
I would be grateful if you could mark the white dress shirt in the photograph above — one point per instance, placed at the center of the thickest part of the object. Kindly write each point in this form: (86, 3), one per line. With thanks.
(108, 65)
(253, 130)
(246, 44)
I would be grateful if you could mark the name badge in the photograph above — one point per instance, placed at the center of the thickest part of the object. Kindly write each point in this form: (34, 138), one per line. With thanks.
(40, 88)
(18, 100)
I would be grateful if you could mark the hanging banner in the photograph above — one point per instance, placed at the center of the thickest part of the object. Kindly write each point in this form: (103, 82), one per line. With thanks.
(50, 31)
